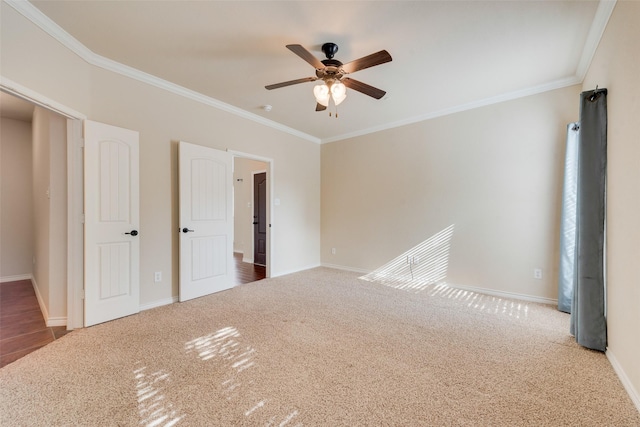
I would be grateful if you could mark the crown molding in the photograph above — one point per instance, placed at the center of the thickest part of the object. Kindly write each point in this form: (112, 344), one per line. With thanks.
(598, 26)
(34, 15)
(509, 96)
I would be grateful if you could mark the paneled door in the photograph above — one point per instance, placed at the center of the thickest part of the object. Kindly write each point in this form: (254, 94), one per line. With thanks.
(206, 221)
(260, 218)
(112, 223)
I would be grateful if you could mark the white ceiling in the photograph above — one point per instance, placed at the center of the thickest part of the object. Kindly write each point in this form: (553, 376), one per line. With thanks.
(447, 55)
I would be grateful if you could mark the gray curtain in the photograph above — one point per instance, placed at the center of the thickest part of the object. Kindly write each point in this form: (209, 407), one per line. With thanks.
(568, 220)
(588, 322)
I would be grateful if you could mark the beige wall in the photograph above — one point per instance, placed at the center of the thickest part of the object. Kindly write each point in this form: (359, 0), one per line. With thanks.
(163, 119)
(243, 200)
(29, 55)
(50, 213)
(494, 173)
(616, 66)
(16, 203)
(41, 174)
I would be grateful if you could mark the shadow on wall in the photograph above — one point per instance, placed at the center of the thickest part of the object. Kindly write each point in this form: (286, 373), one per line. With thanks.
(423, 265)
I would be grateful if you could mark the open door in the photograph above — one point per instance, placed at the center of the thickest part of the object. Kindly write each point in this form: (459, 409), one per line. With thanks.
(260, 218)
(112, 221)
(206, 221)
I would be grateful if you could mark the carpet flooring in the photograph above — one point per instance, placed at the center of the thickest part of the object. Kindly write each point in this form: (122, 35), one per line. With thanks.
(321, 347)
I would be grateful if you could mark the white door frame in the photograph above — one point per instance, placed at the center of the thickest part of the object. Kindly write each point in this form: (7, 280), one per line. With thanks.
(270, 189)
(75, 195)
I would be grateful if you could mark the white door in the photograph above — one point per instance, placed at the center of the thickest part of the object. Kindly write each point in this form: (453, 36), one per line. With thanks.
(206, 221)
(112, 224)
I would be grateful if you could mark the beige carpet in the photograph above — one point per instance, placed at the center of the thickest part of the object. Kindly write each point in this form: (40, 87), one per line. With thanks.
(321, 347)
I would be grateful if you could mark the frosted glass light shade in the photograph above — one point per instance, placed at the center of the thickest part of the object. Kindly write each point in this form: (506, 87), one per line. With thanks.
(338, 92)
(321, 93)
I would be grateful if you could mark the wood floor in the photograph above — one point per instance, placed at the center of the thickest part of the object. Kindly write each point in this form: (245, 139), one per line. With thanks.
(22, 326)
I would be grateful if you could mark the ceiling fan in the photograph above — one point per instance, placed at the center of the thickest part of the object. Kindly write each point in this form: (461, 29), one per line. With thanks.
(333, 74)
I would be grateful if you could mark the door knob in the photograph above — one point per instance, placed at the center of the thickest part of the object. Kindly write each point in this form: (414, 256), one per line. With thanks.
(255, 223)
(186, 230)
(133, 233)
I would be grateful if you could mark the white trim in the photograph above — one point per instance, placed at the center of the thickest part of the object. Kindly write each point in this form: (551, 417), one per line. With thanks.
(43, 307)
(49, 321)
(599, 24)
(33, 14)
(601, 18)
(509, 96)
(296, 270)
(22, 92)
(15, 278)
(624, 379)
(158, 303)
(345, 268)
(503, 294)
(492, 292)
(238, 252)
(56, 321)
(247, 260)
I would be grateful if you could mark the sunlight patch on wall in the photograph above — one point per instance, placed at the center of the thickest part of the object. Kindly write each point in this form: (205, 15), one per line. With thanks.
(153, 408)
(419, 267)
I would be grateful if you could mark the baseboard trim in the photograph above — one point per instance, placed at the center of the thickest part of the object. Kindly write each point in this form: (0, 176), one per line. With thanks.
(15, 278)
(158, 303)
(492, 292)
(43, 307)
(624, 379)
(247, 260)
(49, 321)
(345, 268)
(504, 294)
(56, 321)
(297, 270)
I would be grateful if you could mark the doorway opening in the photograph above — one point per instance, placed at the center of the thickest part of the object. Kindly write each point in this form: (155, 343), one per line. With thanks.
(252, 187)
(61, 279)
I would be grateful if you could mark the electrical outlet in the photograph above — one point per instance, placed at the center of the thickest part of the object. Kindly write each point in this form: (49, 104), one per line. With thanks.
(537, 273)
(157, 277)
(333, 251)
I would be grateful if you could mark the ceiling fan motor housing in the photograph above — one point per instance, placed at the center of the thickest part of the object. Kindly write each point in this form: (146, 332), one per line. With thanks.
(330, 50)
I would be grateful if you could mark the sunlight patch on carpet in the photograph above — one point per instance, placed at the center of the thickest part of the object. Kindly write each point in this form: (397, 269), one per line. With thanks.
(481, 302)
(153, 407)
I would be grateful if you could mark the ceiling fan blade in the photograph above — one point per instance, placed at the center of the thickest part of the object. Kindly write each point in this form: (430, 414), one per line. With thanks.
(367, 61)
(320, 107)
(306, 55)
(291, 82)
(373, 92)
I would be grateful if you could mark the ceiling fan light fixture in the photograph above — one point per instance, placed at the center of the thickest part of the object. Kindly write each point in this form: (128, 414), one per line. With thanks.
(321, 93)
(338, 92)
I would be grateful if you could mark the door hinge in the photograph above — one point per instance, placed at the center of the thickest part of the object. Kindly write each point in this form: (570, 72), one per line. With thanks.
(81, 142)
(81, 293)
(82, 218)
